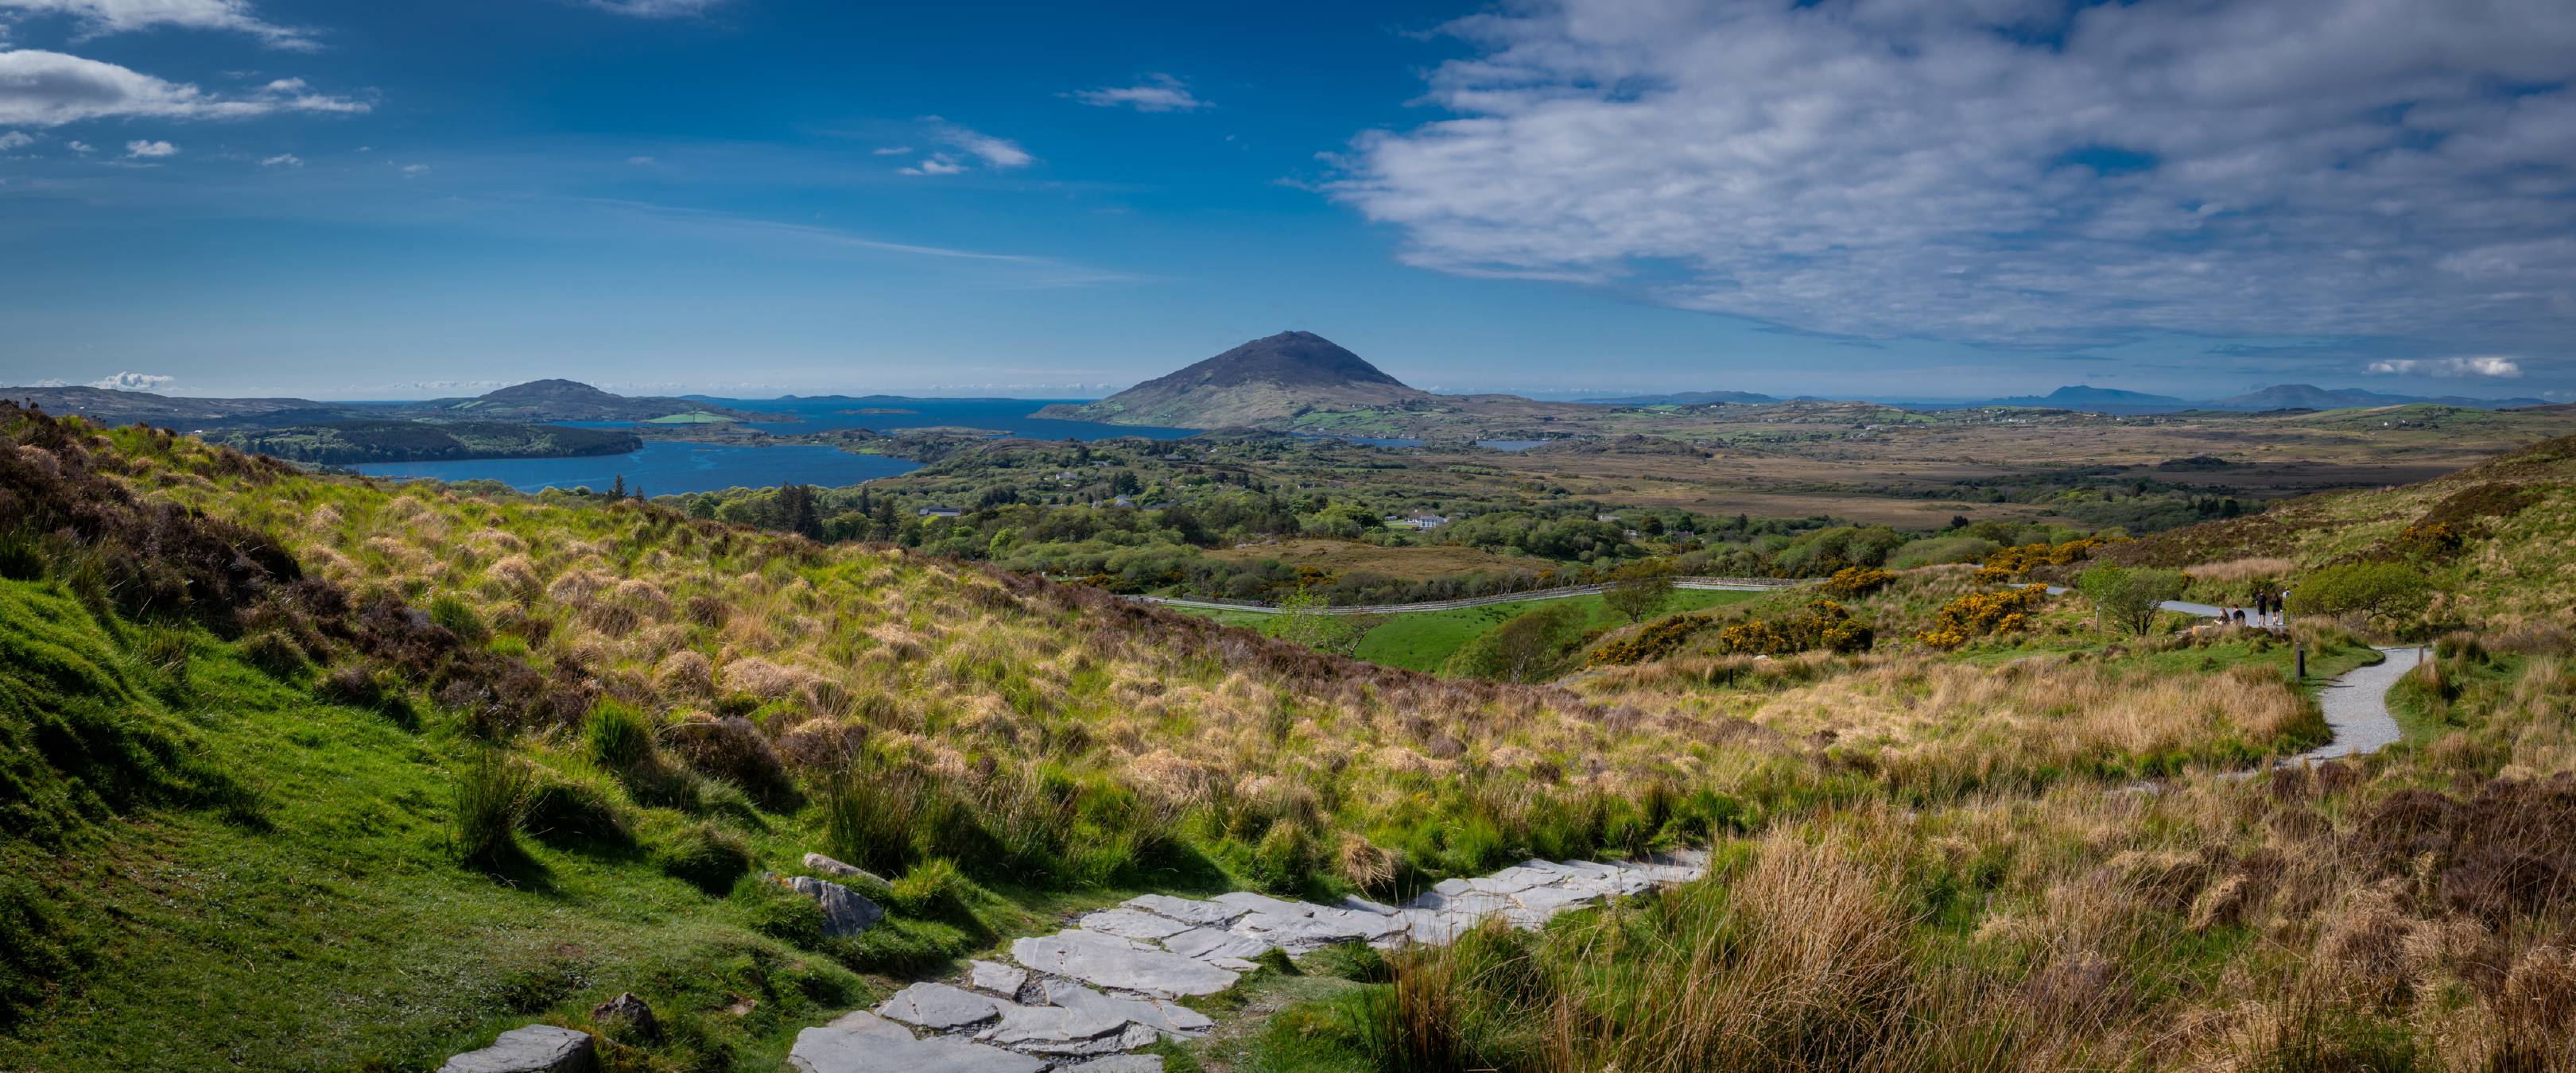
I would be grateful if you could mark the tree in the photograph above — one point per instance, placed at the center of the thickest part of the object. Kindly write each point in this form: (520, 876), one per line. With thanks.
(1532, 647)
(1302, 619)
(2391, 591)
(1639, 589)
(2130, 596)
(617, 489)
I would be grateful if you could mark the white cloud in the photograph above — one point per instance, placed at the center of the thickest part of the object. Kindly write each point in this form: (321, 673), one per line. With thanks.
(2016, 172)
(132, 382)
(1157, 93)
(42, 88)
(994, 152)
(10, 139)
(934, 164)
(2481, 365)
(657, 9)
(891, 150)
(283, 160)
(150, 149)
(81, 147)
(640, 160)
(414, 171)
(118, 16)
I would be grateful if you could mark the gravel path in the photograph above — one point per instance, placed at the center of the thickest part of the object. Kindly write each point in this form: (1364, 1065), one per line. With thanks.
(2356, 708)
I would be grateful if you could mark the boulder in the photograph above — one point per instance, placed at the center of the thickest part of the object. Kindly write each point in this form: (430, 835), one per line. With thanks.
(837, 870)
(630, 1011)
(534, 1049)
(845, 911)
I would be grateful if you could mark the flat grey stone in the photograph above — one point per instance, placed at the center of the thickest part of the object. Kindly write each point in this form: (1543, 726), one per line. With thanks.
(1436, 928)
(837, 870)
(1473, 903)
(1057, 1030)
(1132, 924)
(845, 911)
(939, 1006)
(1153, 1013)
(1187, 910)
(1512, 880)
(1256, 903)
(997, 978)
(1111, 962)
(1209, 943)
(1234, 964)
(534, 1049)
(869, 1024)
(1451, 887)
(1118, 1063)
(840, 1050)
(1358, 904)
(1594, 869)
(1553, 900)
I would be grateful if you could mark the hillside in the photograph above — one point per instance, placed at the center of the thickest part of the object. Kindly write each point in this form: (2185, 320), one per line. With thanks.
(2501, 552)
(320, 773)
(567, 400)
(1263, 383)
(180, 412)
(344, 443)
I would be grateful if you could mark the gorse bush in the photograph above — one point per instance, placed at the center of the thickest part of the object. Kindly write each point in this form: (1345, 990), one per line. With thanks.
(1854, 582)
(1978, 614)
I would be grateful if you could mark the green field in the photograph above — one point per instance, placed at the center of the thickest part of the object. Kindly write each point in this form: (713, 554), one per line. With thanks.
(1423, 640)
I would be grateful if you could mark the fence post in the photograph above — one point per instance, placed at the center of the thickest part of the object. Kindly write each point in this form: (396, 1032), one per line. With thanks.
(2302, 651)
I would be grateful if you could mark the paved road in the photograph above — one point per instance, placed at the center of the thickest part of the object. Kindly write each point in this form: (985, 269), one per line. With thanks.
(1725, 584)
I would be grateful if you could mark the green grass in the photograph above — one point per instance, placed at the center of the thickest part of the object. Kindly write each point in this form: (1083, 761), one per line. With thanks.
(1423, 640)
(693, 417)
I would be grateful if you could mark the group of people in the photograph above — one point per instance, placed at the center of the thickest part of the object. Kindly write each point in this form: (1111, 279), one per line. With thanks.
(2269, 611)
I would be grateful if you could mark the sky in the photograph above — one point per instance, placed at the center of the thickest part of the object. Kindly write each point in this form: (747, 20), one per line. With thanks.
(1899, 198)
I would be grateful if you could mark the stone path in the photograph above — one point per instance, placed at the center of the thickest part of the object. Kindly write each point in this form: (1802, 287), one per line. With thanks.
(1082, 998)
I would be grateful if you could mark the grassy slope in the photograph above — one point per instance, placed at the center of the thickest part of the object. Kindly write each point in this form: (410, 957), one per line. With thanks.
(1423, 640)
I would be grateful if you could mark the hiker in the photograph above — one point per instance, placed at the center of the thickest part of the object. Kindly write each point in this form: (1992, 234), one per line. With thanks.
(2227, 615)
(2240, 618)
(2281, 609)
(2263, 606)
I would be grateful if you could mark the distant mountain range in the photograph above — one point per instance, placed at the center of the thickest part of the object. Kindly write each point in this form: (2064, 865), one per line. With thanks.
(2277, 397)
(1687, 398)
(1263, 382)
(534, 401)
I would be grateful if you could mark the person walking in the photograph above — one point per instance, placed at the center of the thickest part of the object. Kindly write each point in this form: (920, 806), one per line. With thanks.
(2281, 608)
(2263, 606)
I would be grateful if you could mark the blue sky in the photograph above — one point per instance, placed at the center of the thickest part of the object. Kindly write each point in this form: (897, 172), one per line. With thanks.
(751, 196)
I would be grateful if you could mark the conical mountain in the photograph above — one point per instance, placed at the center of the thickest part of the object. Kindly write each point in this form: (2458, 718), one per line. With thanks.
(1266, 382)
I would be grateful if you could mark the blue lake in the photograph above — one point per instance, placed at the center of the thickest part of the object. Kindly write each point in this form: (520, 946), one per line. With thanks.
(665, 468)
(999, 415)
(1509, 445)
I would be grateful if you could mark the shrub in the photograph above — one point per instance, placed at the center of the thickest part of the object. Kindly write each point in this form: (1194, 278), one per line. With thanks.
(1652, 643)
(2007, 564)
(1531, 647)
(867, 817)
(777, 911)
(493, 793)
(706, 856)
(566, 812)
(1854, 582)
(619, 736)
(2130, 596)
(1936, 551)
(2387, 591)
(935, 890)
(458, 617)
(733, 749)
(277, 654)
(1980, 613)
(1822, 624)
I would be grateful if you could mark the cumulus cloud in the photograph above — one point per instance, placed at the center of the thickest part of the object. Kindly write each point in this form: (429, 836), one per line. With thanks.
(414, 171)
(149, 150)
(2012, 172)
(130, 382)
(657, 9)
(283, 160)
(118, 16)
(994, 152)
(1157, 93)
(81, 147)
(45, 89)
(2481, 365)
(11, 139)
